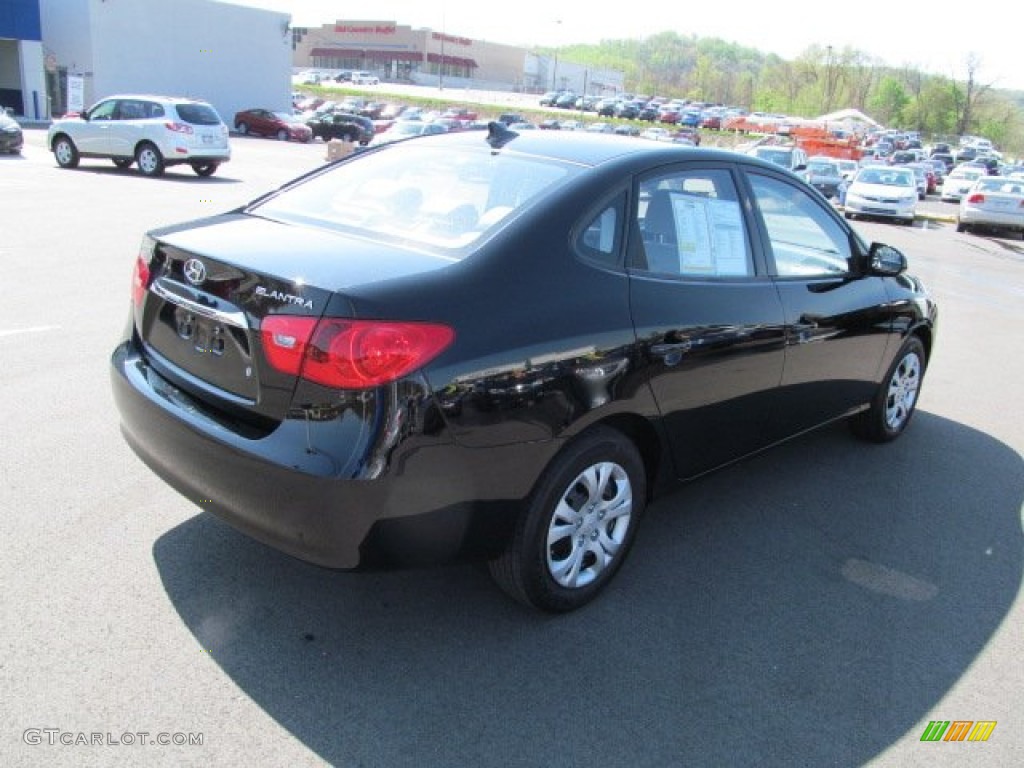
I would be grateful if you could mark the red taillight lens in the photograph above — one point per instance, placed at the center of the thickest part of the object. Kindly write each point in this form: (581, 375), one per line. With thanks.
(284, 341)
(977, 197)
(140, 281)
(178, 127)
(351, 354)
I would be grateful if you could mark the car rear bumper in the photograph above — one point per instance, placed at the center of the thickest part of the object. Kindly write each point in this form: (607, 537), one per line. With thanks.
(198, 155)
(993, 219)
(429, 501)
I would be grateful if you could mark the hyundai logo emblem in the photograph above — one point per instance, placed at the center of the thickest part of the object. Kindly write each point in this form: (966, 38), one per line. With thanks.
(195, 271)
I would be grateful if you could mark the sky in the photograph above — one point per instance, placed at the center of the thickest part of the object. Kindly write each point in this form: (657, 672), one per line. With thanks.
(898, 34)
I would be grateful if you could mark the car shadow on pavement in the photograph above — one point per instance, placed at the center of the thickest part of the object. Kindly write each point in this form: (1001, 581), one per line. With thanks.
(806, 607)
(174, 173)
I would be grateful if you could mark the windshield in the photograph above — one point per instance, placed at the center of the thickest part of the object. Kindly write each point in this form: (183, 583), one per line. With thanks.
(198, 114)
(777, 156)
(823, 169)
(887, 176)
(419, 193)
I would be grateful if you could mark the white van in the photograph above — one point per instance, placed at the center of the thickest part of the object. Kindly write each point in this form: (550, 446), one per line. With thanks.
(364, 78)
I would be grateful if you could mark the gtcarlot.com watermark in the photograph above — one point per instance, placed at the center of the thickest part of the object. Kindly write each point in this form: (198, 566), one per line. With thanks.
(58, 737)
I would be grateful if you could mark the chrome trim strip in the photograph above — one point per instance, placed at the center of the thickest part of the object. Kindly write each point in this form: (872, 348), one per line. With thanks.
(236, 319)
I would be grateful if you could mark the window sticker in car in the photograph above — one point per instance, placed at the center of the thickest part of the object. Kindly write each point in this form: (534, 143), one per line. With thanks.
(710, 236)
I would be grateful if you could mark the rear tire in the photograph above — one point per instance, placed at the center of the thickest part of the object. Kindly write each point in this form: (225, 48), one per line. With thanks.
(894, 403)
(961, 227)
(149, 160)
(578, 526)
(204, 169)
(65, 152)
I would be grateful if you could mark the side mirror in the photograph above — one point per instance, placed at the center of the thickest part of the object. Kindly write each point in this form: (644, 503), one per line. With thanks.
(886, 260)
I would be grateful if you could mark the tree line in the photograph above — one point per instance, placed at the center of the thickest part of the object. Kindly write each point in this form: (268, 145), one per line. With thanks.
(821, 80)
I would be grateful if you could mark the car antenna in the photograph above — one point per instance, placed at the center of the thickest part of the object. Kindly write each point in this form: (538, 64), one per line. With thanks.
(498, 134)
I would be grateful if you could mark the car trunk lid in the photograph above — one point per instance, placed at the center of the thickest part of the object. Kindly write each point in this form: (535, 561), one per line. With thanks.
(209, 289)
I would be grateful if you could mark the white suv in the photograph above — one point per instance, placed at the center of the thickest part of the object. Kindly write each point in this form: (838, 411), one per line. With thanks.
(364, 78)
(151, 131)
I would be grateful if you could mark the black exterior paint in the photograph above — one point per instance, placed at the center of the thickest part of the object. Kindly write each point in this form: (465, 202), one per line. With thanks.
(437, 465)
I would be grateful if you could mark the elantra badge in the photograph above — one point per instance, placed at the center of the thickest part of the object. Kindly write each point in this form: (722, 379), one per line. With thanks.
(195, 271)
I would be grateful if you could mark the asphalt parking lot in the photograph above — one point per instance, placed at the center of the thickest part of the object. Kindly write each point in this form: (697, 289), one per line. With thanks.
(818, 605)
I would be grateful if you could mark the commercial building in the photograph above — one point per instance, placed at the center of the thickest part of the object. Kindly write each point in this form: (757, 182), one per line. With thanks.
(426, 56)
(22, 82)
(63, 54)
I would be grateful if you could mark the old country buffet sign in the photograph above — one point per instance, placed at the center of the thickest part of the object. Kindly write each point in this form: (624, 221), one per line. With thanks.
(451, 39)
(365, 29)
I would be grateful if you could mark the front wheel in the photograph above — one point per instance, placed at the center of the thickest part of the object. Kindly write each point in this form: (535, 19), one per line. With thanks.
(242, 128)
(896, 399)
(65, 152)
(149, 160)
(578, 526)
(204, 169)
(282, 135)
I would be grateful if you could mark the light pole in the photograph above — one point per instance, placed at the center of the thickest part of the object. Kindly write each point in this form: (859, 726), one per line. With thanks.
(554, 71)
(828, 78)
(440, 66)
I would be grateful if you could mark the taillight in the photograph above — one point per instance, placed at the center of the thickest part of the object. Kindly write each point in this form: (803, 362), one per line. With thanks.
(140, 280)
(140, 274)
(351, 354)
(285, 339)
(977, 197)
(178, 127)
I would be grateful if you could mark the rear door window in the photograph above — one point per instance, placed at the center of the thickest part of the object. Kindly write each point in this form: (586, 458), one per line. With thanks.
(691, 224)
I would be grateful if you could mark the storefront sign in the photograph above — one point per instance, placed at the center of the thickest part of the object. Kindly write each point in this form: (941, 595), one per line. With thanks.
(371, 29)
(451, 38)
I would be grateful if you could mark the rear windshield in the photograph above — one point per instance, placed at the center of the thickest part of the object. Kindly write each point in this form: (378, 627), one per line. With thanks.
(198, 114)
(420, 193)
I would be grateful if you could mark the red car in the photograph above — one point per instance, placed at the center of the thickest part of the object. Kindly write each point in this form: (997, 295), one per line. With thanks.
(266, 122)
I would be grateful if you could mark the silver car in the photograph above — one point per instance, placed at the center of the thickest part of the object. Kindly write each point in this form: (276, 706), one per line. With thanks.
(151, 131)
(883, 191)
(993, 202)
(959, 181)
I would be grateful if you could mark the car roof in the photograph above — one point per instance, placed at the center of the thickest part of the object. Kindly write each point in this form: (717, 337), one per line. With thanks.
(591, 149)
(154, 97)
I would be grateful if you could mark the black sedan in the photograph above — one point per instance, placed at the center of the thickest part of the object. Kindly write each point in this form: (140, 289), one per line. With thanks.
(499, 346)
(11, 137)
(342, 125)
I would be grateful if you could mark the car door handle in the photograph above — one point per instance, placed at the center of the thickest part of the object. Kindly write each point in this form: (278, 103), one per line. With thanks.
(680, 347)
(802, 332)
